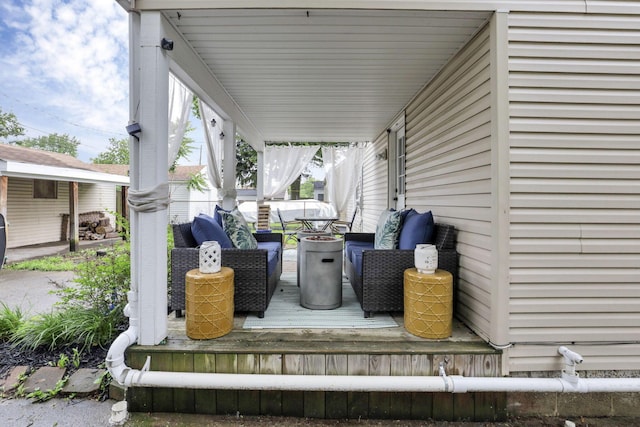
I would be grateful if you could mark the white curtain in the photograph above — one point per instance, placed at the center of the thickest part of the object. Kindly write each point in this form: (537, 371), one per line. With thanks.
(212, 131)
(342, 166)
(179, 103)
(283, 165)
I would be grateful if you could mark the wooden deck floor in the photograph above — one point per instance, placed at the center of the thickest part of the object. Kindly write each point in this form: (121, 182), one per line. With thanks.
(394, 340)
(373, 352)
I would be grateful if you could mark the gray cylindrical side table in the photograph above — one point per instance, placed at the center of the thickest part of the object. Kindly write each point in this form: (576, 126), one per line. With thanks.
(301, 235)
(320, 272)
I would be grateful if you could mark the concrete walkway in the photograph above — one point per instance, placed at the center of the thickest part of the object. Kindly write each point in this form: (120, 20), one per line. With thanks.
(31, 291)
(48, 249)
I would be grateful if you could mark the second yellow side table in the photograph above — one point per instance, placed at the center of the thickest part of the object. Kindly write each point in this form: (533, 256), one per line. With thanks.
(428, 303)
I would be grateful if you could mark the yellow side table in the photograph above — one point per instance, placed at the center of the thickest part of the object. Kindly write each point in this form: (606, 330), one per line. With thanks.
(209, 303)
(428, 303)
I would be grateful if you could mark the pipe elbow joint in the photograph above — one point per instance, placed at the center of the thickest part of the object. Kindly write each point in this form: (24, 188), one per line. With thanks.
(115, 356)
(570, 356)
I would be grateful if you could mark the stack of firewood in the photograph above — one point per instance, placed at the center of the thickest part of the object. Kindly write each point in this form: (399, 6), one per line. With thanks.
(96, 229)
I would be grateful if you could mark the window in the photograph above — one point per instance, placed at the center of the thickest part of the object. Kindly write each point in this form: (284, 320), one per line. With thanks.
(44, 189)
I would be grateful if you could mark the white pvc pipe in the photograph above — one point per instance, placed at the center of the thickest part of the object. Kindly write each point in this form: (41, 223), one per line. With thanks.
(115, 356)
(552, 385)
(128, 377)
(453, 384)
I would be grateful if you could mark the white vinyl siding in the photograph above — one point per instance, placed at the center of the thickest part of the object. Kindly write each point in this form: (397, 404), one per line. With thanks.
(34, 221)
(448, 130)
(375, 184)
(96, 197)
(186, 204)
(575, 188)
(178, 211)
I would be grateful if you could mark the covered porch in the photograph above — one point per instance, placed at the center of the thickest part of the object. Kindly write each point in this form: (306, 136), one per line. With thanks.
(451, 101)
(316, 75)
(289, 75)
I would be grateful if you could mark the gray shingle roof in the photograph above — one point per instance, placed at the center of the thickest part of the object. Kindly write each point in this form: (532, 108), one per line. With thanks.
(182, 173)
(41, 157)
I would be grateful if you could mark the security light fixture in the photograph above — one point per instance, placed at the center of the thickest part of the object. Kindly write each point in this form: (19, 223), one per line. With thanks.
(166, 44)
(134, 129)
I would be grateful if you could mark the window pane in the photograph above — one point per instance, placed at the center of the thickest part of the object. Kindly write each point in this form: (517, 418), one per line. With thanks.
(43, 189)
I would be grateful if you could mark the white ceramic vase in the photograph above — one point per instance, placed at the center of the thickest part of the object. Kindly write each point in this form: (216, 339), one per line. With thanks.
(210, 257)
(426, 258)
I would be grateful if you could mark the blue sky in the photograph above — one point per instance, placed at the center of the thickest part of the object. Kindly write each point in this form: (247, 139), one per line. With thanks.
(64, 69)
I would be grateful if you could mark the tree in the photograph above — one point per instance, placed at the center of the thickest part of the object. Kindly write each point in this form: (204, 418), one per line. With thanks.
(186, 146)
(9, 125)
(117, 153)
(63, 144)
(246, 164)
(306, 189)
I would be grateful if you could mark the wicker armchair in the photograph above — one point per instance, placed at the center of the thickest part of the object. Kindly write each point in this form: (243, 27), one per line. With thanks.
(381, 286)
(253, 288)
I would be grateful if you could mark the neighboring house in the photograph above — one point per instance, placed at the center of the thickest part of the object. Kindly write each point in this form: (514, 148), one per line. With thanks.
(515, 121)
(39, 190)
(318, 190)
(184, 203)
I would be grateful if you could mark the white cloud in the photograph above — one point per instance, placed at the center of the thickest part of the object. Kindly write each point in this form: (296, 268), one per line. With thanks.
(68, 60)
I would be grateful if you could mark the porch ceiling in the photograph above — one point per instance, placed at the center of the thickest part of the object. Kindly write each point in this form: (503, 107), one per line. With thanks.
(323, 75)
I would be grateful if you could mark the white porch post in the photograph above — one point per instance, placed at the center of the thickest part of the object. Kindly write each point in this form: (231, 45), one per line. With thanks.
(229, 165)
(260, 178)
(150, 85)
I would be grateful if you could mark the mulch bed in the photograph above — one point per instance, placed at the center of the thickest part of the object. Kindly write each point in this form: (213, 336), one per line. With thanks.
(11, 356)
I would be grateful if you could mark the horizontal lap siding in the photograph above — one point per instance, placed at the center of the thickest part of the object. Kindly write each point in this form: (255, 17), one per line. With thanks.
(33, 221)
(96, 197)
(374, 186)
(449, 168)
(575, 185)
(179, 207)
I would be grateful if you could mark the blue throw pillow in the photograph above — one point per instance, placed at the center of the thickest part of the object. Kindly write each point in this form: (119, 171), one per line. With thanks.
(417, 228)
(205, 228)
(216, 214)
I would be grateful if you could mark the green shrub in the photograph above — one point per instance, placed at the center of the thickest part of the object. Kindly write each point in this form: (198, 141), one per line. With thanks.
(90, 311)
(84, 327)
(101, 283)
(10, 321)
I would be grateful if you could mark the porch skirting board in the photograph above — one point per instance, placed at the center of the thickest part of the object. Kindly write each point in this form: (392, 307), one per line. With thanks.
(285, 311)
